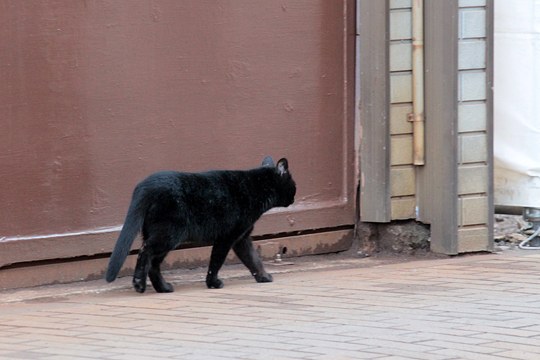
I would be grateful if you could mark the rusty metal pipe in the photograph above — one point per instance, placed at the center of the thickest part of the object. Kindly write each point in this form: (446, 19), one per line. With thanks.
(417, 116)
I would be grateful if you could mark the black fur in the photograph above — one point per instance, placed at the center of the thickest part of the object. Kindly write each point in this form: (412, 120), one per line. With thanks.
(216, 207)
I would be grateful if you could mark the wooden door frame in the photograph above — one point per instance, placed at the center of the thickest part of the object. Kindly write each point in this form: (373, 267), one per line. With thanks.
(373, 110)
(437, 181)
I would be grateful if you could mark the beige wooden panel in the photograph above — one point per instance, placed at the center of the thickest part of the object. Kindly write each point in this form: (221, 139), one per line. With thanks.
(473, 210)
(473, 148)
(472, 54)
(474, 239)
(401, 56)
(471, 3)
(401, 88)
(472, 117)
(402, 181)
(472, 85)
(472, 23)
(473, 179)
(401, 150)
(400, 4)
(398, 119)
(403, 208)
(400, 21)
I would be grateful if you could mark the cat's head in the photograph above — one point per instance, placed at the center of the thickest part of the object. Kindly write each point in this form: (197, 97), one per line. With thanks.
(286, 187)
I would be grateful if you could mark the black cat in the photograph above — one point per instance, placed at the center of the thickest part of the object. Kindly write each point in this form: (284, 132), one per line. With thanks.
(216, 207)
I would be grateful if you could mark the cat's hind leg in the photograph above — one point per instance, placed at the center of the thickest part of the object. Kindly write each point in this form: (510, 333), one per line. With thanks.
(153, 251)
(141, 270)
(159, 284)
(244, 249)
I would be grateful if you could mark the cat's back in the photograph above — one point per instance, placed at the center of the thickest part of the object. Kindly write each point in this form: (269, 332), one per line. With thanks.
(161, 179)
(170, 181)
(214, 184)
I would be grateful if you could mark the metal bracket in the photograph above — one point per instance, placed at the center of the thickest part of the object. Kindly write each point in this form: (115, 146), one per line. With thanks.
(412, 117)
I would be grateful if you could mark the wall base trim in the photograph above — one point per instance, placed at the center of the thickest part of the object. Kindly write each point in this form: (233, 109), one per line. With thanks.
(91, 268)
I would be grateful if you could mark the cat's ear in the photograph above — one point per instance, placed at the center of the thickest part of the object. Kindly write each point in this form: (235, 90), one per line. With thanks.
(268, 162)
(282, 167)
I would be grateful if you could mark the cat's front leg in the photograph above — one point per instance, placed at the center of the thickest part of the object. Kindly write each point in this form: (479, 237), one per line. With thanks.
(263, 278)
(246, 252)
(217, 258)
(212, 281)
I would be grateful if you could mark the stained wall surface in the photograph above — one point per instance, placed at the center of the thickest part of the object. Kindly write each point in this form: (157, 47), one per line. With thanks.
(95, 95)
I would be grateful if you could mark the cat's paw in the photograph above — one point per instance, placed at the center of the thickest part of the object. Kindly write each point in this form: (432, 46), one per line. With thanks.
(159, 284)
(164, 287)
(139, 285)
(264, 278)
(214, 283)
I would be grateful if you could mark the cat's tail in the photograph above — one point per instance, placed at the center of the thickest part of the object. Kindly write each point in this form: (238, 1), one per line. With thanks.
(132, 226)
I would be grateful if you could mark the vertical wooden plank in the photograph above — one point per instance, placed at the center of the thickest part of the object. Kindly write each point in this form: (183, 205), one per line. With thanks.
(437, 188)
(490, 21)
(374, 96)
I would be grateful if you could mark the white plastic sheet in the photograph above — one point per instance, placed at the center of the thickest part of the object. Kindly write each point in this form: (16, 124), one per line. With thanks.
(517, 103)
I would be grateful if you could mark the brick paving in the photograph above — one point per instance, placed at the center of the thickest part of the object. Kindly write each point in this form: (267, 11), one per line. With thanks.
(474, 307)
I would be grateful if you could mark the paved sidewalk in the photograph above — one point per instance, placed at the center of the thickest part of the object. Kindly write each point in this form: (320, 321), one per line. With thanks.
(474, 307)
